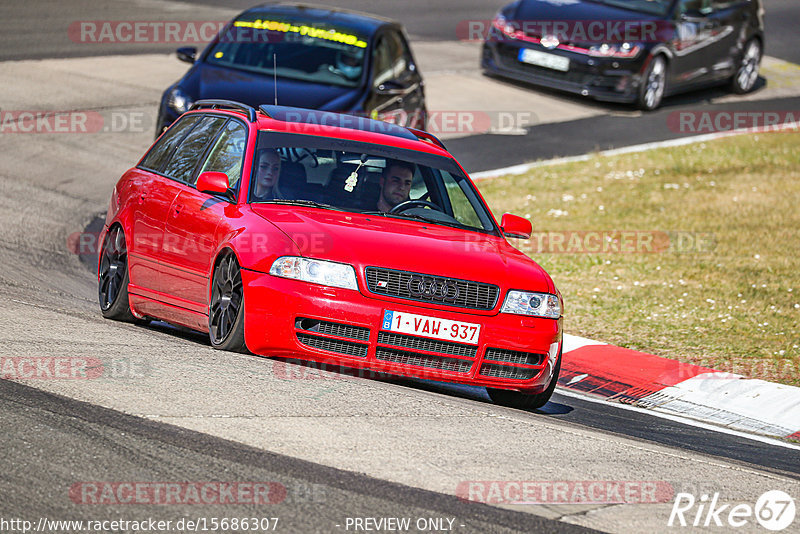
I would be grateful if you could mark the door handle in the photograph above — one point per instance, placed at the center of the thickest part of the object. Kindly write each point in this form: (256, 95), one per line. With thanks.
(142, 196)
(177, 209)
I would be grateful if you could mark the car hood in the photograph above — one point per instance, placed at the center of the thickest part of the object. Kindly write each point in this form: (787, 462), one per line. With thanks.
(210, 81)
(375, 240)
(551, 10)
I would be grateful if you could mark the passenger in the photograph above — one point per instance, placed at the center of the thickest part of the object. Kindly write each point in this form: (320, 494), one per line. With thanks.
(395, 183)
(268, 168)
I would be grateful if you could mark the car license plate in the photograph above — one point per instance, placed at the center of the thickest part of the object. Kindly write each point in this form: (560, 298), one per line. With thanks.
(431, 327)
(543, 59)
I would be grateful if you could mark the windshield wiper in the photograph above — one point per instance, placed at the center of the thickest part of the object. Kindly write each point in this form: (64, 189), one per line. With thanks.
(299, 202)
(415, 216)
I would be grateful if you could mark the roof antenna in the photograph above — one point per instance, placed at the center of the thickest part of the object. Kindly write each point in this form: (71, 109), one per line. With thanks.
(275, 75)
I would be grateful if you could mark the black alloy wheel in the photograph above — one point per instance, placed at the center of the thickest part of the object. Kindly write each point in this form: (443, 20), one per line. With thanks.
(112, 277)
(226, 313)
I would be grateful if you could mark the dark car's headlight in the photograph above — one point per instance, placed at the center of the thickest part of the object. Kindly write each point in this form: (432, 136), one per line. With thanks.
(502, 25)
(326, 273)
(178, 101)
(535, 304)
(620, 51)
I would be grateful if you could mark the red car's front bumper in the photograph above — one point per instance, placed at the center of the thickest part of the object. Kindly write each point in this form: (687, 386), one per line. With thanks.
(295, 319)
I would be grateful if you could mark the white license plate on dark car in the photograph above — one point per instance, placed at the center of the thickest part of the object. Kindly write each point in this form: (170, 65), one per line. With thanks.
(543, 59)
(431, 327)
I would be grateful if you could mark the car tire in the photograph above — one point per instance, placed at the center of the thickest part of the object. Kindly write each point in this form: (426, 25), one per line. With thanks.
(747, 74)
(525, 401)
(226, 311)
(654, 84)
(112, 277)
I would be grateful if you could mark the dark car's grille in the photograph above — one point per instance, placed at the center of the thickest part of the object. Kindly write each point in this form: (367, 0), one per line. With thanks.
(513, 356)
(423, 360)
(334, 329)
(333, 345)
(507, 371)
(474, 295)
(431, 345)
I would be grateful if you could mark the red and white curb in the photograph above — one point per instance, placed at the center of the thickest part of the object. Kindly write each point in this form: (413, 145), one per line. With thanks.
(672, 387)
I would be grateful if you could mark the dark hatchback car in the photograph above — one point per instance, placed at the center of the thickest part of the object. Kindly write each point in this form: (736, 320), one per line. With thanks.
(631, 51)
(321, 58)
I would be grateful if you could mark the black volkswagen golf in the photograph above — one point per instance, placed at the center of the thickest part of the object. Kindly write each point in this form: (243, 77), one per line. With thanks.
(310, 57)
(631, 51)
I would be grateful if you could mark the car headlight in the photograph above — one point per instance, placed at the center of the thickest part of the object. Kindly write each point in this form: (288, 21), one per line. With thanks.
(502, 24)
(536, 304)
(624, 50)
(178, 101)
(323, 272)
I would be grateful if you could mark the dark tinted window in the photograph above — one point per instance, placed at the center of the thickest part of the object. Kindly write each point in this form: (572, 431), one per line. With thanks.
(161, 151)
(183, 162)
(227, 155)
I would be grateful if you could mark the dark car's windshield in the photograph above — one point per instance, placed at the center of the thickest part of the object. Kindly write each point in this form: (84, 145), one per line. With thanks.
(313, 52)
(651, 7)
(361, 177)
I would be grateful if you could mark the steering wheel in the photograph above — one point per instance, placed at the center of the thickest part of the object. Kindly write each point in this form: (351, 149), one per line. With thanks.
(403, 206)
(303, 153)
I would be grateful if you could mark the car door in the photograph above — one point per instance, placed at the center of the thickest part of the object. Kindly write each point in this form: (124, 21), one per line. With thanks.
(396, 90)
(703, 36)
(190, 237)
(152, 195)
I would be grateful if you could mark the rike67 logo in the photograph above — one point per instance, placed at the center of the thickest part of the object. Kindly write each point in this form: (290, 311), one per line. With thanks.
(774, 510)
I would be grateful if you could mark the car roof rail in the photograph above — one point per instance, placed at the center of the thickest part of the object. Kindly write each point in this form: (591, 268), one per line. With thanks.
(226, 104)
(427, 136)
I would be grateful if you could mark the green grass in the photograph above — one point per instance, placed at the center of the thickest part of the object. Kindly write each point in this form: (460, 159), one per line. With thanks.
(733, 305)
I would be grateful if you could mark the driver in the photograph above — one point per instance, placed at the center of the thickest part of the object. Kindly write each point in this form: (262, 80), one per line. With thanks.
(348, 62)
(395, 183)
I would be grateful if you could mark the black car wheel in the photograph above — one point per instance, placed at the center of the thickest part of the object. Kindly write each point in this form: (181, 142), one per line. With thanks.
(226, 313)
(524, 401)
(745, 78)
(654, 83)
(112, 278)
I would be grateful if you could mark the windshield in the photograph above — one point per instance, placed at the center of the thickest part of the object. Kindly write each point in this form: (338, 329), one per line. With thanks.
(652, 7)
(313, 52)
(360, 177)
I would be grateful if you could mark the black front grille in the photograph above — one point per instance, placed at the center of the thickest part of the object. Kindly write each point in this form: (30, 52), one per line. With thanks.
(333, 329)
(513, 356)
(474, 295)
(506, 371)
(333, 345)
(431, 345)
(423, 360)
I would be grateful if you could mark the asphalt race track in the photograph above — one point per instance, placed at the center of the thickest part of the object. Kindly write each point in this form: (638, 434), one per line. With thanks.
(169, 409)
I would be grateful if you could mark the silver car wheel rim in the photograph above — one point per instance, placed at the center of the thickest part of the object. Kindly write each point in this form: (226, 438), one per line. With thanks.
(748, 72)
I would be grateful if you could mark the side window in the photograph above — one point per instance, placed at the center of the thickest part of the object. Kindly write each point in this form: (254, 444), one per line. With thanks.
(159, 154)
(462, 207)
(399, 57)
(188, 154)
(228, 153)
(695, 7)
(382, 63)
(719, 5)
(407, 63)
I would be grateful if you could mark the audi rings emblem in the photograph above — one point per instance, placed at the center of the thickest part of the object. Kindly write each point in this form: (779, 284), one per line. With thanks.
(424, 287)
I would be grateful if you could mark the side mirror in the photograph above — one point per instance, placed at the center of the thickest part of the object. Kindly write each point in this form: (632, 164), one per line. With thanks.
(391, 88)
(187, 54)
(213, 183)
(515, 226)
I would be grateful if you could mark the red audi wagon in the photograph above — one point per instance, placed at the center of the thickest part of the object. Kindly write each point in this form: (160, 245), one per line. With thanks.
(305, 234)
